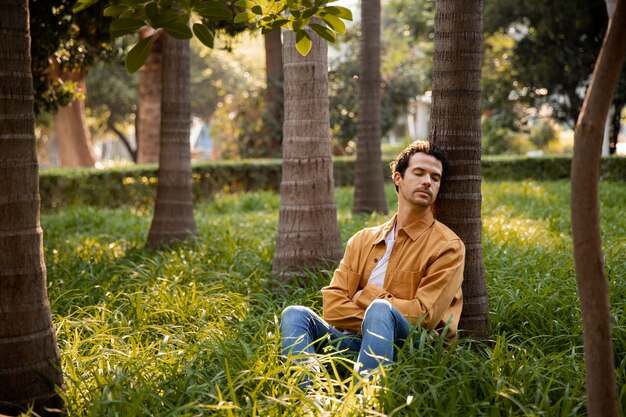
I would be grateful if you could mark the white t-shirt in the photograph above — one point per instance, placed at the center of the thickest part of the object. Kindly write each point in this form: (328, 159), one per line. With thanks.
(377, 277)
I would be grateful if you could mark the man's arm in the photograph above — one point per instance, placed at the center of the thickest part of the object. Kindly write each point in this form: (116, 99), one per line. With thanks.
(438, 290)
(339, 309)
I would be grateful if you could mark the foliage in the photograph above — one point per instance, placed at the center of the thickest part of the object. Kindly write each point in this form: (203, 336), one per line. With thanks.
(542, 133)
(193, 329)
(499, 139)
(406, 71)
(556, 45)
(112, 96)
(173, 17)
(75, 41)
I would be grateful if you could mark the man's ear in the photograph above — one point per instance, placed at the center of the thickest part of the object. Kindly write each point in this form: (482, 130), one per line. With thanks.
(396, 178)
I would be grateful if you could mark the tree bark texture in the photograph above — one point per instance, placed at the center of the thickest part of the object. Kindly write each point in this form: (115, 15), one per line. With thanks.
(70, 127)
(149, 115)
(589, 261)
(274, 96)
(369, 186)
(308, 233)
(455, 127)
(173, 213)
(30, 367)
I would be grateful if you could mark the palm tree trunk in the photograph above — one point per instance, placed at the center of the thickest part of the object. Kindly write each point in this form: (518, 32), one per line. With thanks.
(149, 114)
(30, 367)
(308, 234)
(173, 213)
(589, 261)
(455, 126)
(369, 185)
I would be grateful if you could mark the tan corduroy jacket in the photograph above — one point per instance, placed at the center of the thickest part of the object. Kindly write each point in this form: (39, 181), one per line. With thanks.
(423, 278)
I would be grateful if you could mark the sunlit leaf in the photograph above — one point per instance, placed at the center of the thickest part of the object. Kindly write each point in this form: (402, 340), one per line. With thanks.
(121, 27)
(178, 30)
(324, 32)
(203, 34)
(138, 55)
(339, 11)
(303, 42)
(244, 17)
(334, 22)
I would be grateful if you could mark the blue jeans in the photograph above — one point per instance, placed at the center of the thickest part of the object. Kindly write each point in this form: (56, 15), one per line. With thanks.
(383, 328)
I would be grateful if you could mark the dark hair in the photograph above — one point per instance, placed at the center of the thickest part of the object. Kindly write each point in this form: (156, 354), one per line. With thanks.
(401, 162)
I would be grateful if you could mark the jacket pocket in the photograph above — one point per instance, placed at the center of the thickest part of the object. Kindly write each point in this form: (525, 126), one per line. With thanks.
(405, 284)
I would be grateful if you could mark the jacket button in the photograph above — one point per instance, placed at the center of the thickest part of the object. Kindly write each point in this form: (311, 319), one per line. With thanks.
(375, 259)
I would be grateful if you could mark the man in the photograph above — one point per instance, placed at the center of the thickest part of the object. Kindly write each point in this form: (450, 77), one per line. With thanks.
(405, 272)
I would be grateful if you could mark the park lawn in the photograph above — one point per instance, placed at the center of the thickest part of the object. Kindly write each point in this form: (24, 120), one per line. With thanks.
(193, 330)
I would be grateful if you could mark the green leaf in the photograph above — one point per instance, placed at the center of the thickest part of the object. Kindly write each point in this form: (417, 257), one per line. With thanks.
(203, 34)
(303, 42)
(244, 4)
(334, 23)
(339, 11)
(164, 18)
(152, 10)
(178, 30)
(324, 32)
(213, 10)
(83, 4)
(121, 27)
(115, 10)
(256, 9)
(138, 55)
(244, 17)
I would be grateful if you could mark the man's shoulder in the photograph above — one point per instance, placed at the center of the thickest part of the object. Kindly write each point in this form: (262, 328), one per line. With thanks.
(445, 232)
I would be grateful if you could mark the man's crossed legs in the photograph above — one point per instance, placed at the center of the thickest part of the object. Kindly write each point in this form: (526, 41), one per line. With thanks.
(382, 330)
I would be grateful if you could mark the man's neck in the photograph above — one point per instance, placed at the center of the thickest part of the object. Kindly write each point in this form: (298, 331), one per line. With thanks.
(409, 215)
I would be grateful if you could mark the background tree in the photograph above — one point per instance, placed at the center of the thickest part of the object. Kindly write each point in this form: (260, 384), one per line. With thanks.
(590, 275)
(173, 210)
(555, 45)
(64, 47)
(149, 116)
(308, 233)
(455, 126)
(29, 359)
(369, 186)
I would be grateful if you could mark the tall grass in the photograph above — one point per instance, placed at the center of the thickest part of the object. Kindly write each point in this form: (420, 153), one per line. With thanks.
(193, 330)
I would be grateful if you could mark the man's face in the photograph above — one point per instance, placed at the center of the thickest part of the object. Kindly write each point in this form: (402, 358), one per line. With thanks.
(420, 184)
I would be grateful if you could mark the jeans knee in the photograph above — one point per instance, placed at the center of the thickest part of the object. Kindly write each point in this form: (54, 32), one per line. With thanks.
(294, 316)
(379, 308)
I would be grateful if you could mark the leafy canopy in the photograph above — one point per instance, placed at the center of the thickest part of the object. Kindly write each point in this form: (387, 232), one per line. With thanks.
(172, 16)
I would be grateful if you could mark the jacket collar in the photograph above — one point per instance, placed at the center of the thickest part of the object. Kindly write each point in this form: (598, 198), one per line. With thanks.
(413, 230)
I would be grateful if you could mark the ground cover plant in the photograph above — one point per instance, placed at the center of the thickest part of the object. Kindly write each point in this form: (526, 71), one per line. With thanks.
(193, 330)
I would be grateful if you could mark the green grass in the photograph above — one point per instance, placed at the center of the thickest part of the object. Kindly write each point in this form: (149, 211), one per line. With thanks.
(193, 330)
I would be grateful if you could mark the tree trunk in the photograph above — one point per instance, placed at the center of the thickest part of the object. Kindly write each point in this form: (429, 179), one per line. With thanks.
(274, 98)
(589, 261)
(308, 233)
(72, 136)
(455, 127)
(369, 185)
(149, 115)
(30, 367)
(173, 213)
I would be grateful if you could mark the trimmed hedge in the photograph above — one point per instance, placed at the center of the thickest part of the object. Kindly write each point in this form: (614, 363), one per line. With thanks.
(136, 185)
